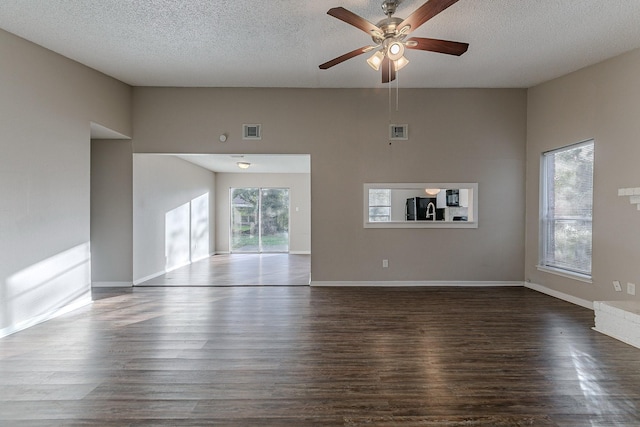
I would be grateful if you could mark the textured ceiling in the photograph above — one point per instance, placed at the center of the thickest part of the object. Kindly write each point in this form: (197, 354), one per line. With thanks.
(260, 163)
(280, 43)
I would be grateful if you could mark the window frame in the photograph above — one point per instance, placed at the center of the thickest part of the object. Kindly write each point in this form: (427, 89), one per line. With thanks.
(545, 219)
(472, 204)
(388, 206)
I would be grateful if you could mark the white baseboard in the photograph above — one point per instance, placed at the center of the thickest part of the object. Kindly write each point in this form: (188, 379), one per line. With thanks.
(149, 277)
(160, 273)
(619, 320)
(175, 267)
(253, 253)
(542, 289)
(560, 295)
(200, 258)
(86, 300)
(423, 283)
(624, 339)
(111, 284)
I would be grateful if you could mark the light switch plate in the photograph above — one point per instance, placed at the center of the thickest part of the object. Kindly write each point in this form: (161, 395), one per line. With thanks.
(616, 286)
(631, 288)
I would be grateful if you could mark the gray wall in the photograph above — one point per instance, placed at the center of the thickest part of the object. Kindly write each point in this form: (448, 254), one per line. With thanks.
(46, 107)
(600, 102)
(163, 187)
(456, 135)
(299, 185)
(111, 213)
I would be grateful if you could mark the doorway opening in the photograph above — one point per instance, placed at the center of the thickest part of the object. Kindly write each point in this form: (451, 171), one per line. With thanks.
(259, 220)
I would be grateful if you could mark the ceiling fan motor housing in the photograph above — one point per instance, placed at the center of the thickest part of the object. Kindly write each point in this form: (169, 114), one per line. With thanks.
(389, 7)
(389, 26)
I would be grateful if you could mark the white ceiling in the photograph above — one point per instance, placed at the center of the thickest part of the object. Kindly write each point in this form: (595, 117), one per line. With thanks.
(280, 43)
(260, 163)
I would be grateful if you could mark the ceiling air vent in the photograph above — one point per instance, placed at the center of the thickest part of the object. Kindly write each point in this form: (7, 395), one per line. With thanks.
(251, 132)
(399, 132)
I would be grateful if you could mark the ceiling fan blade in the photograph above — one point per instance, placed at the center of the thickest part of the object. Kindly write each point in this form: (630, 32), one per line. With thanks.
(425, 12)
(435, 45)
(342, 58)
(352, 19)
(388, 70)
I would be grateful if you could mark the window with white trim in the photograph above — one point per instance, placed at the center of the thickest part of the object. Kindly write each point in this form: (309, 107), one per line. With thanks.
(379, 205)
(566, 209)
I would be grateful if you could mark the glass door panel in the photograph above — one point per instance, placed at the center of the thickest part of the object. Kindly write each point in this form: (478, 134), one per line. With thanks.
(274, 220)
(244, 220)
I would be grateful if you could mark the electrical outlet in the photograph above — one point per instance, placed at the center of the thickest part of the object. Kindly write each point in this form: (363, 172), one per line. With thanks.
(616, 286)
(385, 263)
(631, 288)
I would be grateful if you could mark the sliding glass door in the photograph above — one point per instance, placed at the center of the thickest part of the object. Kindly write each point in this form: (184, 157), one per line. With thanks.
(259, 220)
(274, 220)
(244, 220)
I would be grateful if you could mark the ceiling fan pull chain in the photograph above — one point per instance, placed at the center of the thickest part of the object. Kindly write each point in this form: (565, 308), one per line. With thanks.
(389, 112)
(397, 90)
(389, 84)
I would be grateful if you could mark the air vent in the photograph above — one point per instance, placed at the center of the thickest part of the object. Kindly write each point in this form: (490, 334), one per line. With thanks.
(398, 132)
(251, 132)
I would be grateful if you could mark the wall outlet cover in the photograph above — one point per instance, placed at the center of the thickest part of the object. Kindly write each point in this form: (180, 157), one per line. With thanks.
(616, 286)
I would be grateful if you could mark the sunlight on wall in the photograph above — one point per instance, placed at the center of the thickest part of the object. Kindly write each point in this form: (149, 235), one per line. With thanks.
(200, 227)
(177, 237)
(187, 233)
(46, 289)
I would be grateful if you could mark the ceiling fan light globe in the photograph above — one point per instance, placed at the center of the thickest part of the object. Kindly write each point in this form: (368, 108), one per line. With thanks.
(375, 60)
(401, 63)
(395, 51)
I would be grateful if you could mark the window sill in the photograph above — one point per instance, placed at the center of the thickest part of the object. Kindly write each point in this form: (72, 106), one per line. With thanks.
(421, 224)
(564, 273)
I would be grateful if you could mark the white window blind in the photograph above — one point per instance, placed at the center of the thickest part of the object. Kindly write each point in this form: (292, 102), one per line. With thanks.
(567, 205)
(379, 205)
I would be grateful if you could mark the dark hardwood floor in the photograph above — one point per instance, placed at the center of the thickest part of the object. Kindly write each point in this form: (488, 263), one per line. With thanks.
(301, 356)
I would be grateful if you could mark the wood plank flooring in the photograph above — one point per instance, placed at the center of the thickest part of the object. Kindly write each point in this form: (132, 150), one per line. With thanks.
(301, 356)
(240, 270)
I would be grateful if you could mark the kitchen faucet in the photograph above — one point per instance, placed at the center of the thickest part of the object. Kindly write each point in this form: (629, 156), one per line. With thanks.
(431, 212)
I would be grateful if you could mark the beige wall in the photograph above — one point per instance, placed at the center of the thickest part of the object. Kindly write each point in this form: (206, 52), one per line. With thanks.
(46, 107)
(600, 102)
(299, 185)
(456, 135)
(111, 213)
(169, 229)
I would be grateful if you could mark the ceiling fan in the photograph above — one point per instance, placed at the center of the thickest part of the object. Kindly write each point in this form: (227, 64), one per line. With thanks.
(389, 37)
